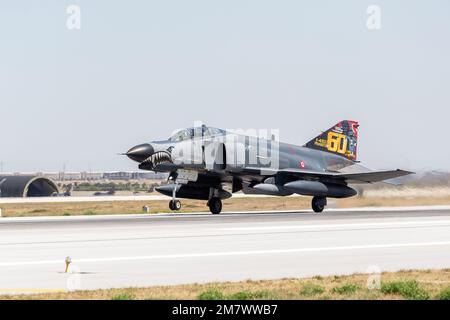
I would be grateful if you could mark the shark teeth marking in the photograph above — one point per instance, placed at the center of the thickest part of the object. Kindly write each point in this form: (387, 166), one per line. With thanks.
(158, 158)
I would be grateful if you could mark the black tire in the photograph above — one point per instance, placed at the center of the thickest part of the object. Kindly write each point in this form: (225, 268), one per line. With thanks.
(174, 205)
(318, 204)
(215, 205)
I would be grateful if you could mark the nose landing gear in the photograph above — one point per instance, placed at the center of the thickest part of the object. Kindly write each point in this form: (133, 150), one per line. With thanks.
(174, 204)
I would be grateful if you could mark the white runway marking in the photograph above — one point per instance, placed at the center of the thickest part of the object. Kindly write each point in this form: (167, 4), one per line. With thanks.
(230, 253)
(424, 223)
(345, 225)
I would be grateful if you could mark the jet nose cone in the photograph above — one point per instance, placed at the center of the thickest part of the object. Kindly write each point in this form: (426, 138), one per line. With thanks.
(140, 153)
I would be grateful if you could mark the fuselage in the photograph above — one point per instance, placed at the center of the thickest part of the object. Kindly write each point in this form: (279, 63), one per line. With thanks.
(233, 151)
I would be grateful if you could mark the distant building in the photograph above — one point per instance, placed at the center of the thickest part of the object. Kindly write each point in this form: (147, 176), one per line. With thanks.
(118, 175)
(93, 176)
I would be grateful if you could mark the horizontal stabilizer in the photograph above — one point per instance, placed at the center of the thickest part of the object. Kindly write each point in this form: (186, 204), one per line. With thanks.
(374, 176)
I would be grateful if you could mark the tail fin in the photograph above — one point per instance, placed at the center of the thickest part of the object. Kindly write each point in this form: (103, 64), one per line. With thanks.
(341, 139)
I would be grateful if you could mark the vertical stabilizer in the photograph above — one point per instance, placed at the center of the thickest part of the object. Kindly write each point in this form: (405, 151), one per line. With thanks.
(341, 139)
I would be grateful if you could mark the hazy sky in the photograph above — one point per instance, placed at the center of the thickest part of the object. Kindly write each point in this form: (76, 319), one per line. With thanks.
(138, 69)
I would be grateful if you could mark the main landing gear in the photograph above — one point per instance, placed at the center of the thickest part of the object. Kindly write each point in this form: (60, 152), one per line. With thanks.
(215, 205)
(318, 203)
(174, 205)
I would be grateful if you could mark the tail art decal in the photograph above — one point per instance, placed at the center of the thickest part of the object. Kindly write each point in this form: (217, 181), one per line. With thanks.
(341, 139)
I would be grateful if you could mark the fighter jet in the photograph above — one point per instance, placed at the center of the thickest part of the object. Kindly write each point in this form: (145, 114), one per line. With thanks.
(211, 164)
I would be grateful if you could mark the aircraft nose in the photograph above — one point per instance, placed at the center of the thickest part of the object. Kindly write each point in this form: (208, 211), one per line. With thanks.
(140, 152)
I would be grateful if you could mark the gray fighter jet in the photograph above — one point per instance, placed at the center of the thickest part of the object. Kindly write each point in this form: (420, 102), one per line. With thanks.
(211, 164)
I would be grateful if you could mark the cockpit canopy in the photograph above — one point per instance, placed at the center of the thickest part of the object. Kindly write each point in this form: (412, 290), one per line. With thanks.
(196, 132)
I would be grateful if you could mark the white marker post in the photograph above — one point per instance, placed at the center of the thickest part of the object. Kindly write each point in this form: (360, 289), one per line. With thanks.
(68, 261)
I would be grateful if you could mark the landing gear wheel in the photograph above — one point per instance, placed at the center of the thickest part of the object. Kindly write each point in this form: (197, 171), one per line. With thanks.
(318, 204)
(215, 205)
(174, 205)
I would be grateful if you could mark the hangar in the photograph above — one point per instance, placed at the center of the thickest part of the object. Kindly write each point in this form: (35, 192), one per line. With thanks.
(27, 186)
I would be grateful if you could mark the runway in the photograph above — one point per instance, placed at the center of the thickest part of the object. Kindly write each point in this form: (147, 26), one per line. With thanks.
(145, 250)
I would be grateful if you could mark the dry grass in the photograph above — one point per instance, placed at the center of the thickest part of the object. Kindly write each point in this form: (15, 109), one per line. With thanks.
(431, 283)
(408, 192)
(233, 204)
(129, 207)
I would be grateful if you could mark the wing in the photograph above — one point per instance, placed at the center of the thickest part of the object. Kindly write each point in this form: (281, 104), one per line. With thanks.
(373, 176)
(358, 177)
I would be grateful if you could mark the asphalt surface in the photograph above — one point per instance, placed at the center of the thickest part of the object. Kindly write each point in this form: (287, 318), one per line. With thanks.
(144, 250)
